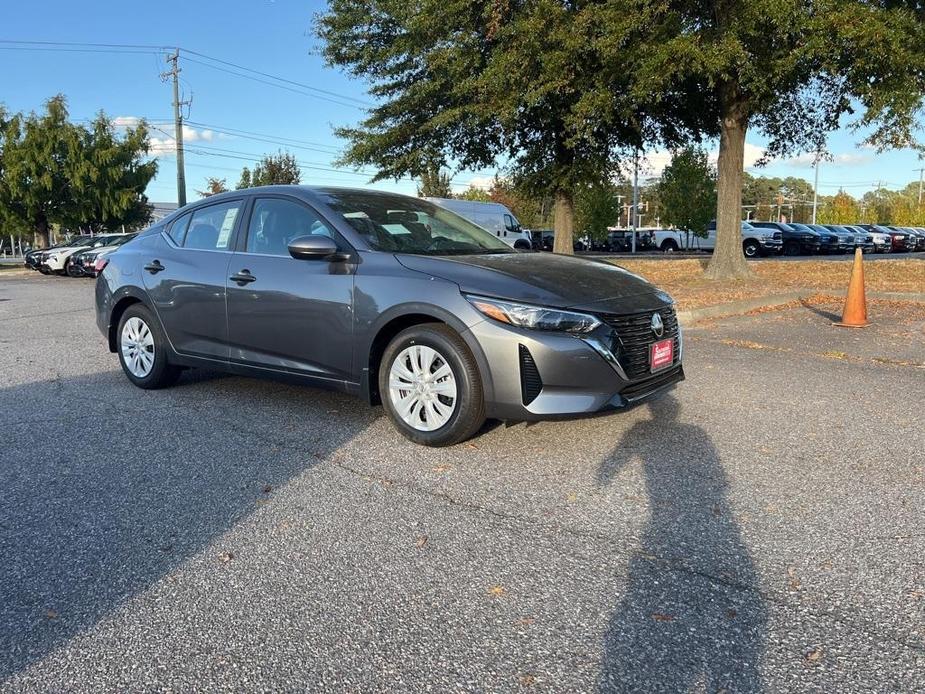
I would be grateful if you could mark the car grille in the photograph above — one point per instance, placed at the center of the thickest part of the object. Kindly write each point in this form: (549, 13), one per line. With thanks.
(634, 336)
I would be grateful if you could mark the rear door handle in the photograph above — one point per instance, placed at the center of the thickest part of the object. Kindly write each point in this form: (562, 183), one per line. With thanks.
(243, 277)
(154, 267)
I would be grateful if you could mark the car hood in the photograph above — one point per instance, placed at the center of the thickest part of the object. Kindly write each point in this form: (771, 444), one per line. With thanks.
(545, 279)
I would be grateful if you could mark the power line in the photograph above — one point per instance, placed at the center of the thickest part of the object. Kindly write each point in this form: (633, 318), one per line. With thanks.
(272, 84)
(281, 79)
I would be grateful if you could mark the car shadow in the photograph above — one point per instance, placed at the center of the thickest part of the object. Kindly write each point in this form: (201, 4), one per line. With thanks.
(107, 489)
(690, 615)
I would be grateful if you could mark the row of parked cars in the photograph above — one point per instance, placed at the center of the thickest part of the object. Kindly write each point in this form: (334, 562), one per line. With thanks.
(80, 256)
(770, 238)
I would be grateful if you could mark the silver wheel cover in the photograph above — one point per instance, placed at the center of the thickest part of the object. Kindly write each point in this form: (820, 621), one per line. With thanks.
(137, 344)
(422, 388)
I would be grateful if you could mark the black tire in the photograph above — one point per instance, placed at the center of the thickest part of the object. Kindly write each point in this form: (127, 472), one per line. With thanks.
(791, 248)
(469, 413)
(669, 246)
(751, 248)
(522, 245)
(72, 270)
(162, 374)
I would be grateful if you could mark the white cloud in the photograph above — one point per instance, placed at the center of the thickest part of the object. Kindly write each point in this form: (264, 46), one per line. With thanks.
(653, 163)
(481, 182)
(808, 159)
(168, 144)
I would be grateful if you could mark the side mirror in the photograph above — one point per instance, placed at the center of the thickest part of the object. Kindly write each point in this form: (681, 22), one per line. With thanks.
(312, 248)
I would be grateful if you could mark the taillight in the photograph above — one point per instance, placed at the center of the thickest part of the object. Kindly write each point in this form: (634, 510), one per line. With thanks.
(100, 264)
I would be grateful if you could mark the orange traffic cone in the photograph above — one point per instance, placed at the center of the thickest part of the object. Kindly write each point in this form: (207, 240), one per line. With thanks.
(855, 313)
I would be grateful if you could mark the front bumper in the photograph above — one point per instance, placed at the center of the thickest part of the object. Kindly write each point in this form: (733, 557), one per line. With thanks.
(575, 375)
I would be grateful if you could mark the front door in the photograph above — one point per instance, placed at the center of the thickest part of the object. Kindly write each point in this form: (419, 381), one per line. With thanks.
(185, 277)
(287, 314)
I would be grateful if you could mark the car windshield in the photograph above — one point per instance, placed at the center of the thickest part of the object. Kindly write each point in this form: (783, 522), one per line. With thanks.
(401, 224)
(799, 227)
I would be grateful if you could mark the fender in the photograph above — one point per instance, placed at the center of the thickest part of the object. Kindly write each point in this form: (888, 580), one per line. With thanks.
(368, 336)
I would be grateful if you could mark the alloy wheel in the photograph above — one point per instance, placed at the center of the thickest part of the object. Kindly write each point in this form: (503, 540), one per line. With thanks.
(422, 388)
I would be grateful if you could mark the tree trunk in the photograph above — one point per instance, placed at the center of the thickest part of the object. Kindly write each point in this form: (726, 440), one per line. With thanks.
(41, 236)
(728, 261)
(564, 222)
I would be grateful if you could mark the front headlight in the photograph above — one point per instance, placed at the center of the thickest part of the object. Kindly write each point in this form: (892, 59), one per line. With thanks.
(534, 317)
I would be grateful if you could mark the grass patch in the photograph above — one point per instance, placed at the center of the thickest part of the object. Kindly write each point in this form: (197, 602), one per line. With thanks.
(684, 279)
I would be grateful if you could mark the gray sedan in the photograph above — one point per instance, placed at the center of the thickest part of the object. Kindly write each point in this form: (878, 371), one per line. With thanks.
(388, 297)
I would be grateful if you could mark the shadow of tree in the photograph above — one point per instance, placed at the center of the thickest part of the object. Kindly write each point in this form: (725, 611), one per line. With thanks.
(107, 489)
(690, 616)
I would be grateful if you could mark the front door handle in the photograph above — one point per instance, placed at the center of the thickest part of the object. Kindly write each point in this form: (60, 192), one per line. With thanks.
(154, 267)
(243, 277)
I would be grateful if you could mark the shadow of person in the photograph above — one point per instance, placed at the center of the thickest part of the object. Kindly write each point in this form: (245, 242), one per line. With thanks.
(691, 616)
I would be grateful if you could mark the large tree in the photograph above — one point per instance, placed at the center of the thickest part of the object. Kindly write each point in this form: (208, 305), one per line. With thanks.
(789, 68)
(687, 191)
(109, 173)
(35, 189)
(596, 209)
(481, 81)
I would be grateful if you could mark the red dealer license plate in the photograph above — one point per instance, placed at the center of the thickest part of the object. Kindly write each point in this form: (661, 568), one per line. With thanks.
(661, 354)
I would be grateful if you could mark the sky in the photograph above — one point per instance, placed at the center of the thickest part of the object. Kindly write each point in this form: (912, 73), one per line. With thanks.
(233, 120)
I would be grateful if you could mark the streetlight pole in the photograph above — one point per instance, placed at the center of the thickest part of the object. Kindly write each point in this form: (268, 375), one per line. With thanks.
(635, 200)
(816, 188)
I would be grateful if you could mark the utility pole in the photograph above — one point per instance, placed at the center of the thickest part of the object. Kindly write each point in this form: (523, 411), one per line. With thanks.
(174, 74)
(635, 200)
(816, 188)
(920, 185)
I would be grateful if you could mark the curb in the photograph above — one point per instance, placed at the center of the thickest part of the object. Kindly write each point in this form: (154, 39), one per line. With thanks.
(736, 308)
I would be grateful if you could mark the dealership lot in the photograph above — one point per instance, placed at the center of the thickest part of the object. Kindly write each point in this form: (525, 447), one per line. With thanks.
(760, 528)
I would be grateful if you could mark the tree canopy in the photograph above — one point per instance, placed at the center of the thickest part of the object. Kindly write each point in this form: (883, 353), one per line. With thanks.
(478, 82)
(55, 172)
(274, 169)
(687, 191)
(790, 69)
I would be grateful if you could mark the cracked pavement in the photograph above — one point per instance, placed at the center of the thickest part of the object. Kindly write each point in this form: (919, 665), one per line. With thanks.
(759, 529)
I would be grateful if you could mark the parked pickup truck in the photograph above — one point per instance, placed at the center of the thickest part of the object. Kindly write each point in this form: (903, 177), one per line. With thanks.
(755, 241)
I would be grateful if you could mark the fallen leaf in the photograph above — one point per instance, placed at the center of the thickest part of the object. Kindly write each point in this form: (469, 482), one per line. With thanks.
(526, 621)
(658, 617)
(731, 614)
(814, 655)
(226, 557)
(794, 581)
(422, 540)
(51, 614)
(472, 445)
(571, 497)
(527, 680)
(496, 591)
(440, 468)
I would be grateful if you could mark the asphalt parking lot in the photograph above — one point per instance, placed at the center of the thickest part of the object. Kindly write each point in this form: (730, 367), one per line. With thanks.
(760, 529)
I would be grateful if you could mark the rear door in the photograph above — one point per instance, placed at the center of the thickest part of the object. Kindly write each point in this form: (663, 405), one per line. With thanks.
(184, 272)
(287, 314)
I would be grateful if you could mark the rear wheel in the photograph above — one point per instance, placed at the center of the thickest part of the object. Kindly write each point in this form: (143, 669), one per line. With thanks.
(751, 248)
(669, 246)
(431, 387)
(143, 350)
(791, 248)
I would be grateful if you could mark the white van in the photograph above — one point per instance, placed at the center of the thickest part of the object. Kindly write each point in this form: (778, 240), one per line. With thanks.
(491, 216)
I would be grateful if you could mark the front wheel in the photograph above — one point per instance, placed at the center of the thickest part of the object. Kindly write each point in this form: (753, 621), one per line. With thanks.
(791, 248)
(143, 350)
(669, 246)
(751, 249)
(430, 386)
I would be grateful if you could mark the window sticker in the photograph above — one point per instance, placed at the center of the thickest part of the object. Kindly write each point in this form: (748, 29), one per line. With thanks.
(227, 225)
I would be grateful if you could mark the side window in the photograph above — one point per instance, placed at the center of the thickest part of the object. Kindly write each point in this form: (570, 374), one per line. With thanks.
(275, 222)
(509, 223)
(177, 230)
(210, 227)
